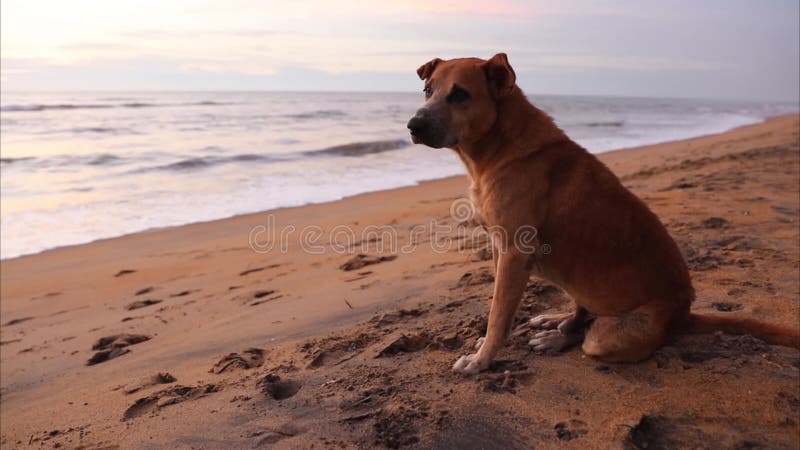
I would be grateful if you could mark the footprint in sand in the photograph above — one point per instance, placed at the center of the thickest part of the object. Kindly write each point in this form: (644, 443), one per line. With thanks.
(273, 386)
(17, 321)
(270, 437)
(394, 317)
(726, 306)
(124, 272)
(361, 276)
(248, 359)
(144, 290)
(257, 269)
(262, 294)
(714, 223)
(362, 260)
(184, 293)
(111, 347)
(168, 397)
(159, 378)
(786, 210)
(482, 276)
(249, 271)
(572, 429)
(505, 381)
(141, 304)
(336, 349)
(661, 431)
(404, 343)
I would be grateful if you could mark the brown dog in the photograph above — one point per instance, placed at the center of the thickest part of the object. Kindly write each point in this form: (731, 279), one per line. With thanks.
(608, 251)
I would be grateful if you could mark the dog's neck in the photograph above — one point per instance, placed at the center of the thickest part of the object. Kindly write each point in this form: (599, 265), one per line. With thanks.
(519, 130)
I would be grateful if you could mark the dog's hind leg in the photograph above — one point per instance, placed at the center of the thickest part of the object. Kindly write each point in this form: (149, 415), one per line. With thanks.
(629, 337)
(549, 321)
(560, 330)
(565, 322)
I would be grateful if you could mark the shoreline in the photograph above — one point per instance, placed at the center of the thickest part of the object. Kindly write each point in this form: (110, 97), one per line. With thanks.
(217, 346)
(416, 184)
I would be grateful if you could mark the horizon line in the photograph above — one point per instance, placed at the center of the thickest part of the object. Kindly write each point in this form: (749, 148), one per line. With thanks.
(382, 91)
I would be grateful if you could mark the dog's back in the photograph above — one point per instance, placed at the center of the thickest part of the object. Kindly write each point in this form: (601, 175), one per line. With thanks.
(606, 245)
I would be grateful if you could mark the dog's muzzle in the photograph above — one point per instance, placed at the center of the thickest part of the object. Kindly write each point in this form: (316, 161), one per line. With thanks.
(427, 128)
(420, 128)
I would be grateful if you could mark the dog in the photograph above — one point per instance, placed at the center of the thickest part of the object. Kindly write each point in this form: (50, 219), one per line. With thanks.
(608, 251)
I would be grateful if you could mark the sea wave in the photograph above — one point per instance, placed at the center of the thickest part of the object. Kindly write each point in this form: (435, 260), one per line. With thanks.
(613, 123)
(96, 159)
(353, 149)
(103, 159)
(107, 159)
(362, 148)
(202, 162)
(16, 160)
(89, 130)
(94, 130)
(73, 106)
(62, 106)
(319, 114)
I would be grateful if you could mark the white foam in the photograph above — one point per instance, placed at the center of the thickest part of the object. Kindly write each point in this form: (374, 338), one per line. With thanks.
(56, 199)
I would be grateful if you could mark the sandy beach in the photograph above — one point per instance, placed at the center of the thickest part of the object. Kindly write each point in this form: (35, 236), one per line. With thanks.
(214, 335)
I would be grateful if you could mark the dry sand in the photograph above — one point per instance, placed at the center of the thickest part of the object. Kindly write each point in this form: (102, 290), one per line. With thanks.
(213, 345)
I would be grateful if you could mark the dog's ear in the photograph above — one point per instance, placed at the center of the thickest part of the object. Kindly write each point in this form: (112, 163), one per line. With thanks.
(500, 75)
(426, 70)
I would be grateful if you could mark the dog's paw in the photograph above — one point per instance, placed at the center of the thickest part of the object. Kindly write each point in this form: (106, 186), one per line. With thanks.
(479, 342)
(550, 341)
(470, 365)
(548, 321)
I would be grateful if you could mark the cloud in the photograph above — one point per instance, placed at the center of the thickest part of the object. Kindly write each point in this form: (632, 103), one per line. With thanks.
(333, 36)
(580, 60)
(257, 41)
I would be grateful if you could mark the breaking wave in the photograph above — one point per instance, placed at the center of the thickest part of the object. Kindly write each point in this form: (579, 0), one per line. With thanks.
(362, 148)
(354, 149)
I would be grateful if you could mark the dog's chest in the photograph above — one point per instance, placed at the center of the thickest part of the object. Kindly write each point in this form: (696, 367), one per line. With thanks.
(477, 198)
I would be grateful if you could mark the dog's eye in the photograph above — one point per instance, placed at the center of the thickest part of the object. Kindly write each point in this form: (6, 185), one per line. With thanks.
(427, 90)
(457, 95)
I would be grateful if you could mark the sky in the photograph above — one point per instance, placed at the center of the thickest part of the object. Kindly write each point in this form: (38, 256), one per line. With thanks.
(730, 49)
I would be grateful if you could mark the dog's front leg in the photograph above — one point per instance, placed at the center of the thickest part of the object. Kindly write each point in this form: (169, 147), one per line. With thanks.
(510, 281)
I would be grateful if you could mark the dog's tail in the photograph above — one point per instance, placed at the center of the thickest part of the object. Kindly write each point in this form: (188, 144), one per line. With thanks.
(772, 334)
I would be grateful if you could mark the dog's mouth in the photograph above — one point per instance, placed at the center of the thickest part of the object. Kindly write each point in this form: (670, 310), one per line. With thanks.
(433, 143)
(424, 140)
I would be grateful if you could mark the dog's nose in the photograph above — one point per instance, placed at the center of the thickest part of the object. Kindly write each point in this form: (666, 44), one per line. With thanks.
(417, 125)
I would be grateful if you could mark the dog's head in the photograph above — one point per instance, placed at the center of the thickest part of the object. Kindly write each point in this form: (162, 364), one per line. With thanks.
(461, 98)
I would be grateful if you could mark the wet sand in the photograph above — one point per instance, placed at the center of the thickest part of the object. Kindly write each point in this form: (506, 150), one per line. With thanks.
(187, 337)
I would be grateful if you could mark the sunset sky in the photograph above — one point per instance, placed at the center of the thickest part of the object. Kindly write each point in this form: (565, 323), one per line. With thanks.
(713, 49)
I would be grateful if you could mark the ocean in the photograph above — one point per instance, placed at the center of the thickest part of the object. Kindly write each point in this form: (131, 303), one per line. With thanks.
(78, 167)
